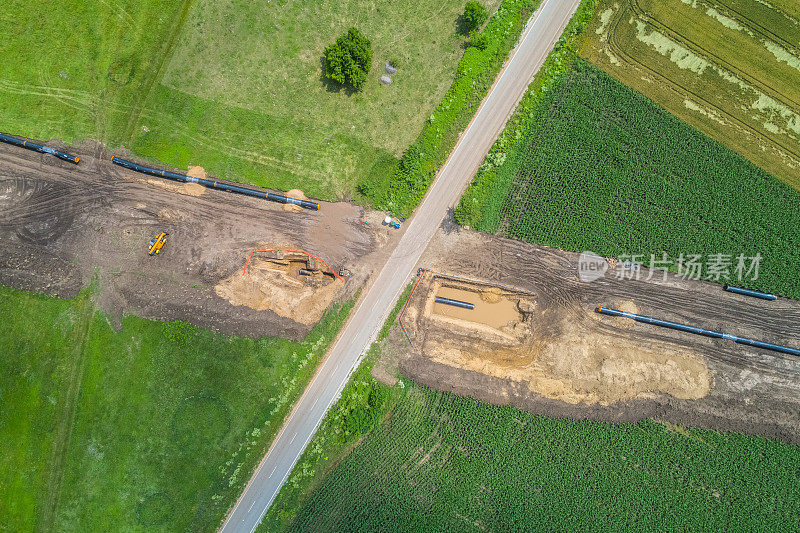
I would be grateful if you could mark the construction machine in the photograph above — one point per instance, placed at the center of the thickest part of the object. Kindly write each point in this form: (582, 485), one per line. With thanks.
(156, 243)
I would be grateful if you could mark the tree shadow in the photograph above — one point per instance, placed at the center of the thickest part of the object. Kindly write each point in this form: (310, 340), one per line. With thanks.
(462, 26)
(332, 86)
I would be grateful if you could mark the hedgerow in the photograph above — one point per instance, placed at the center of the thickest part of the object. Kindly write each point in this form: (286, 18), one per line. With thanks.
(480, 205)
(401, 190)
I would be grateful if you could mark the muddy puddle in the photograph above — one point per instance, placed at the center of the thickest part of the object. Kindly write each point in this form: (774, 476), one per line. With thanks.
(491, 308)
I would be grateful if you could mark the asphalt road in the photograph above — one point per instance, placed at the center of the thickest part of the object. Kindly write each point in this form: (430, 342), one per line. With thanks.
(540, 35)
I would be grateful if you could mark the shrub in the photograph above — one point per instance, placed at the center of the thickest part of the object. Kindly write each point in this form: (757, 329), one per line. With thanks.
(479, 40)
(348, 60)
(474, 15)
(402, 190)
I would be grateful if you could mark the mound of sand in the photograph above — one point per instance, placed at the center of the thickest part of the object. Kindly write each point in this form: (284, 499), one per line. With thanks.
(195, 189)
(585, 366)
(297, 194)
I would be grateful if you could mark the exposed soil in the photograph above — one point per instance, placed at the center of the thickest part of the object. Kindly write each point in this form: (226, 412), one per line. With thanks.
(60, 224)
(535, 342)
(277, 285)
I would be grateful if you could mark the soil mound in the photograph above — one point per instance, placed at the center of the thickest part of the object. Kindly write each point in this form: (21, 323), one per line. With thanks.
(297, 194)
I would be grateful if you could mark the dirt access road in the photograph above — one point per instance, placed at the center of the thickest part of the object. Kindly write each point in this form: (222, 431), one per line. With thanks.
(62, 225)
(543, 31)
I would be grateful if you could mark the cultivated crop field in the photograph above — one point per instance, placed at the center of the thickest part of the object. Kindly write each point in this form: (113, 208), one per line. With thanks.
(440, 462)
(73, 70)
(604, 169)
(156, 426)
(729, 67)
(243, 91)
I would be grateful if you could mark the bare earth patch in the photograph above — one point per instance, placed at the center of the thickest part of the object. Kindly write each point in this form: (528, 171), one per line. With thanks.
(275, 285)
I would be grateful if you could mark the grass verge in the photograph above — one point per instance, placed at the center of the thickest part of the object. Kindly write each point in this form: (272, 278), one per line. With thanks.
(401, 190)
(364, 402)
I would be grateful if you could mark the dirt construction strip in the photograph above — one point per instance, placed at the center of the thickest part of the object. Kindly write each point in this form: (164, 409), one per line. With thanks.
(537, 343)
(62, 224)
(548, 24)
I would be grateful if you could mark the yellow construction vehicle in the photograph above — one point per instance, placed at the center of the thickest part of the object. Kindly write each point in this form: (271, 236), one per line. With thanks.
(157, 242)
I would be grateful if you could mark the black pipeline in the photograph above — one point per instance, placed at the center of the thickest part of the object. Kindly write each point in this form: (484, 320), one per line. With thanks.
(39, 148)
(699, 331)
(213, 184)
(456, 303)
(749, 292)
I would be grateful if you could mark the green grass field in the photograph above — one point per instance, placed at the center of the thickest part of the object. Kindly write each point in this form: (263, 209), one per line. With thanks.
(602, 168)
(75, 70)
(440, 462)
(235, 87)
(731, 68)
(155, 427)
(242, 93)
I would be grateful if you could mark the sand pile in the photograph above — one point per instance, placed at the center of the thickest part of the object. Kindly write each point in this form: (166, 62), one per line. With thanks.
(297, 194)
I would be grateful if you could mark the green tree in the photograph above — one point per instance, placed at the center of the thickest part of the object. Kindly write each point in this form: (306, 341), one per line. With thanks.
(348, 60)
(474, 16)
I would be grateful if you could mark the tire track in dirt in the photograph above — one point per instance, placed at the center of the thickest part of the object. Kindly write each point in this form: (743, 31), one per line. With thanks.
(59, 222)
(751, 390)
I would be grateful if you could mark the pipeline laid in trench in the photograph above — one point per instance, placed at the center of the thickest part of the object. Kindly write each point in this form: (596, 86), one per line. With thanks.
(454, 303)
(214, 184)
(22, 143)
(699, 331)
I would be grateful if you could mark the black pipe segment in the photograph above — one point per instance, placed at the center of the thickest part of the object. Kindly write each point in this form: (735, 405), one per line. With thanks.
(455, 303)
(699, 331)
(213, 184)
(22, 143)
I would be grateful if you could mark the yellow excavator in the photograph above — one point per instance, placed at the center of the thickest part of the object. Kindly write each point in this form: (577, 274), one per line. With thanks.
(157, 243)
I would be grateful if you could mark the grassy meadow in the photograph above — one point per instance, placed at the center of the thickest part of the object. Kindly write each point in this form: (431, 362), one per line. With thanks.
(155, 427)
(74, 70)
(731, 69)
(243, 92)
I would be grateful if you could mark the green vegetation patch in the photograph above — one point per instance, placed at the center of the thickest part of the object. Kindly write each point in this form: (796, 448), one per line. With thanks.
(602, 168)
(364, 402)
(440, 462)
(731, 68)
(159, 424)
(74, 69)
(245, 82)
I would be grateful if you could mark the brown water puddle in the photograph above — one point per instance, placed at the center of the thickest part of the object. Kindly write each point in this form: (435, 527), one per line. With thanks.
(490, 309)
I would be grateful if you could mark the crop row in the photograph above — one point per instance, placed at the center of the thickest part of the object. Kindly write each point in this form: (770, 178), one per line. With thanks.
(602, 168)
(446, 463)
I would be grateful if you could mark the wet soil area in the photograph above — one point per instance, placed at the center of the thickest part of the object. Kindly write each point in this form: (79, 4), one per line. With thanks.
(534, 341)
(61, 225)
